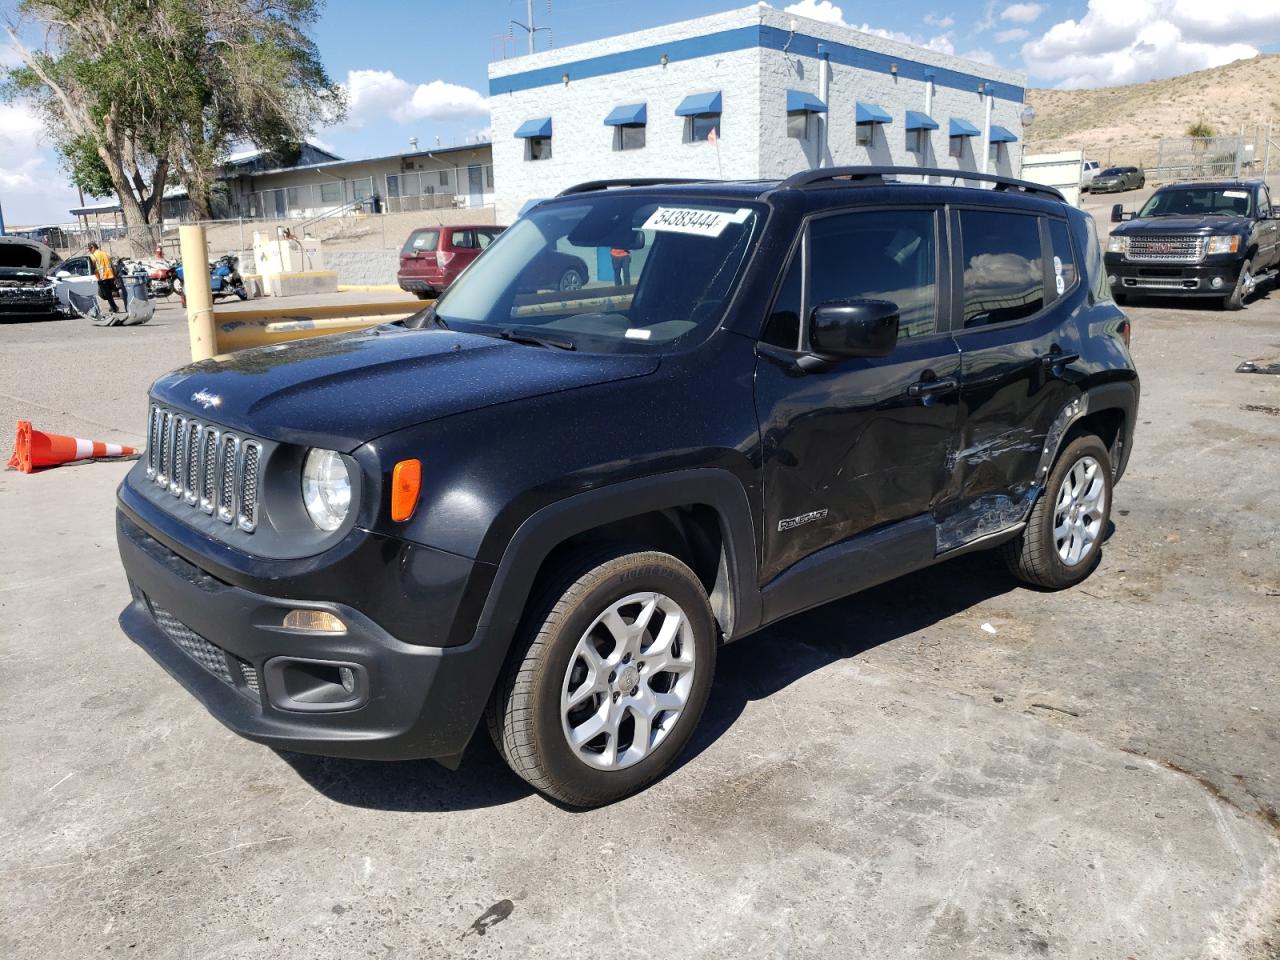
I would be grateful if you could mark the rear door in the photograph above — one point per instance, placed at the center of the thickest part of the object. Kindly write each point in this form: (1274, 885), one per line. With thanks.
(863, 442)
(1015, 280)
(418, 256)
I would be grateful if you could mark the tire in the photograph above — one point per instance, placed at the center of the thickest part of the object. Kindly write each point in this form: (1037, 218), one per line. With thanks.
(1035, 556)
(571, 279)
(241, 291)
(1237, 297)
(423, 294)
(527, 715)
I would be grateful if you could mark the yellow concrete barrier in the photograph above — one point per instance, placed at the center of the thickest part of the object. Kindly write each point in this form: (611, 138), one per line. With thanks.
(368, 288)
(241, 329)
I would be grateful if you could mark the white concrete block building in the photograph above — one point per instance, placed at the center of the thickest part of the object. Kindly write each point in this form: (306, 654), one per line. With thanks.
(754, 93)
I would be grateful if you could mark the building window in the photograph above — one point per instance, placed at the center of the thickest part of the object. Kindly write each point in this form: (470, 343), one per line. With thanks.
(798, 124)
(957, 147)
(444, 178)
(865, 133)
(918, 141)
(697, 128)
(993, 151)
(537, 148)
(488, 177)
(628, 136)
(331, 192)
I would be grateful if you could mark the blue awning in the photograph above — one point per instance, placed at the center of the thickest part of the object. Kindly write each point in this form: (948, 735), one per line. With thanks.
(802, 101)
(535, 128)
(1001, 135)
(963, 128)
(920, 121)
(871, 113)
(627, 114)
(699, 103)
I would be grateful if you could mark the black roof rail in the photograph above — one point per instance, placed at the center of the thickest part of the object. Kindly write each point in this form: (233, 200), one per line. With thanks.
(592, 185)
(878, 175)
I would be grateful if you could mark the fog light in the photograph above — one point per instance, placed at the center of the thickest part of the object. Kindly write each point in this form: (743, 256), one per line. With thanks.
(313, 621)
(1216, 282)
(1113, 280)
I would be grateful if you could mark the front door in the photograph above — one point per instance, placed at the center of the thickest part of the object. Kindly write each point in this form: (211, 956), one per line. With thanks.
(1017, 282)
(475, 185)
(862, 442)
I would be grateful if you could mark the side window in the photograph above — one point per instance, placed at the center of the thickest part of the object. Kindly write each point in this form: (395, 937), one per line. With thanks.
(1065, 272)
(1003, 273)
(462, 240)
(782, 329)
(1264, 203)
(484, 238)
(879, 255)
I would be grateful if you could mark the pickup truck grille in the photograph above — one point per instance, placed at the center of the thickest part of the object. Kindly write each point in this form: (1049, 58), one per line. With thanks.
(1166, 249)
(204, 466)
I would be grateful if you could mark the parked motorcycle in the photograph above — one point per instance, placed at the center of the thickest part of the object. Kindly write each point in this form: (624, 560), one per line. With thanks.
(160, 273)
(224, 279)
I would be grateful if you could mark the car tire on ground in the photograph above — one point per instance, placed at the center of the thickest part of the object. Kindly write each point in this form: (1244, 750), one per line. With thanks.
(571, 279)
(1235, 301)
(422, 294)
(1062, 541)
(615, 642)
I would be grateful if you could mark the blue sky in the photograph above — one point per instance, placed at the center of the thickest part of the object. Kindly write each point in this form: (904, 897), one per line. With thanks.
(420, 68)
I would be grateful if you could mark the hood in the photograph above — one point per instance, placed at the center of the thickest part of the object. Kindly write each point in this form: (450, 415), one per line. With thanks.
(23, 259)
(342, 391)
(1184, 225)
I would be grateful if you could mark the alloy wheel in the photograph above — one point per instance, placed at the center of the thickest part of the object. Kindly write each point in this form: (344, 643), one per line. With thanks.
(1077, 516)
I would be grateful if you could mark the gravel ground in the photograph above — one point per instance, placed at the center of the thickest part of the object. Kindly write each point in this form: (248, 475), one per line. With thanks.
(884, 776)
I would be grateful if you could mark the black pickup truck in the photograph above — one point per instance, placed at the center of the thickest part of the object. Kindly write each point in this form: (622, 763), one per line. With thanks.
(1216, 239)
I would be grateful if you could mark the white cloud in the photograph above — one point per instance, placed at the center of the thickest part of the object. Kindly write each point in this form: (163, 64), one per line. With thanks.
(35, 188)
(823, 10)
(372, 94)
(988, 18)
(1022, 12)
(978, 55)
(1119, 43)
(1009, 36)
(941, 22)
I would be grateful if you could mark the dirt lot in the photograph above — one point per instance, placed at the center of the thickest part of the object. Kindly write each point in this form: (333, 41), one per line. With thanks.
(947, 766)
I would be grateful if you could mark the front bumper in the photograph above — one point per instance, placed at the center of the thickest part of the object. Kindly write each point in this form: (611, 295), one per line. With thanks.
(1096, 187)
(227, 646)
(26, 305)
(1171, 279)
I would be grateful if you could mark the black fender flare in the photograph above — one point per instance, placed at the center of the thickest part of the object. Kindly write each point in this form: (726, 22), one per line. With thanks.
(1116, 395)
(548, 527)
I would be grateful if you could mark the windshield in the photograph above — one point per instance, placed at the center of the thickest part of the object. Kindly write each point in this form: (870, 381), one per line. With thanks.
(1199, 202)
(1111, 172)
(421, 241)
(609, 272)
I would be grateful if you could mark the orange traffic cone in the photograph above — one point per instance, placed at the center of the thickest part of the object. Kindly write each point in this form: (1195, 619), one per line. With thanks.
(34, 449)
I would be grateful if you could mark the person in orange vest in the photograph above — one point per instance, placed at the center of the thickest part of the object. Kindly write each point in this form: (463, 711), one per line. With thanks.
(621, 266)
(106, 275)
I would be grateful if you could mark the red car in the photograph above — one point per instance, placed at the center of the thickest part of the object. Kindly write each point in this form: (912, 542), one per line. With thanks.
(433, 257)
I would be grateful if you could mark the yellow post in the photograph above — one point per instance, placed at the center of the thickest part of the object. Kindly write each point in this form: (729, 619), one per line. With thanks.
(199, 294)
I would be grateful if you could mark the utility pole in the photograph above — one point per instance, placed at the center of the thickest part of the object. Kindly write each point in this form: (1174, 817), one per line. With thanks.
(529, 28)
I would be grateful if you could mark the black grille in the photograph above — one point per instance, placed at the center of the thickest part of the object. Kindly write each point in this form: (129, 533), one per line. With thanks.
(209, 655)
(199, 649)
(205, 466)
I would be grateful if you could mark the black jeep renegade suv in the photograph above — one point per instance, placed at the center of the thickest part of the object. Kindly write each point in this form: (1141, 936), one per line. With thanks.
(547, 510)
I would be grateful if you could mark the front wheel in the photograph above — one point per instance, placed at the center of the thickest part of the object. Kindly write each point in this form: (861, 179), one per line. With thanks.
(1062, 541)
(609, 677)
(571, 279)
(1243, 288)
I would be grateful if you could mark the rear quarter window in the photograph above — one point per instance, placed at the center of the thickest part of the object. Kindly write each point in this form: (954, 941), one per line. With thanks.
(1063, 265)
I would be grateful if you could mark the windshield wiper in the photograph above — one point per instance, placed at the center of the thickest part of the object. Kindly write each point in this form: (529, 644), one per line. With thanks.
(426, 317)
(537, 339)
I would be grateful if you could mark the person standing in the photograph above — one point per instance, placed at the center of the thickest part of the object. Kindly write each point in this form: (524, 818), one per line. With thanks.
(106, 275)
(621, 266)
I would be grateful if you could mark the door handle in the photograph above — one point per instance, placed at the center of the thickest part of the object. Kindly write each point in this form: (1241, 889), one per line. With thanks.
(932, 388)
(1058, 359)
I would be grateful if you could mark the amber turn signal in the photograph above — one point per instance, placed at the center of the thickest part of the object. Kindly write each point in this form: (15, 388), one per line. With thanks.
(406, 481)
(313, 621)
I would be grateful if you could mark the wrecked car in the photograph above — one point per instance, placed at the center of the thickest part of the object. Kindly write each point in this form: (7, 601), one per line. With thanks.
(542, 512)
(26, 288)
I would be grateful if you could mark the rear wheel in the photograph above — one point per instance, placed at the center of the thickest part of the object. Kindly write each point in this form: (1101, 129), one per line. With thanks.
(423, 294)
(571, 279)
(1062, 541)
(609, 678)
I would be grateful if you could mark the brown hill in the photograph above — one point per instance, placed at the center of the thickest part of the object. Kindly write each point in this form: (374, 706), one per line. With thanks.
(1124, 124)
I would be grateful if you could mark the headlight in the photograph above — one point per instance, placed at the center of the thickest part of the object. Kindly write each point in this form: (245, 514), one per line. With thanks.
(1222, 245)
(326, 488)
(1117, 245)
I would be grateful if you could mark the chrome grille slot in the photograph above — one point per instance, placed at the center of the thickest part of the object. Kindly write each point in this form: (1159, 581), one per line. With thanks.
(248, 515)
(206, 468)
(177, 460)
(1166, 249)
(228, 454)
(209, 456)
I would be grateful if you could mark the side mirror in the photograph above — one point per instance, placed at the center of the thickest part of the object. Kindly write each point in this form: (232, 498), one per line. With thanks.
(1117, 213)
(854, 328)
(62, 274)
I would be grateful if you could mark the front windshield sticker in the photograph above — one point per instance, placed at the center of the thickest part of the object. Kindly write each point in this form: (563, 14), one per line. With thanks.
(638, 333)
(1236, 194)
(702, 223)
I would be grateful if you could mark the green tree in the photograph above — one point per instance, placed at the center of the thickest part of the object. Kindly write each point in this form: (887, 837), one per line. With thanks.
(136, 91)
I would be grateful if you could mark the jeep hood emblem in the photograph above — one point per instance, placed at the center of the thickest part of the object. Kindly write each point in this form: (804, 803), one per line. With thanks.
(206, 399)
